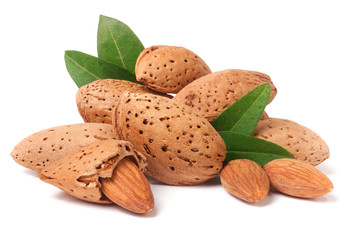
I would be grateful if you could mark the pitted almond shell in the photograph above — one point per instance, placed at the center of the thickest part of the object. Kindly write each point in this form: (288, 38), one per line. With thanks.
(210, 95)
(303, 143)
(78, 173)
(44, 147)
(181, 147)
(96, 100)
(168, 69)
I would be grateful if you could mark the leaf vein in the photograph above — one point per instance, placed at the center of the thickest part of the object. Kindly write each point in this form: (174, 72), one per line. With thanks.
(117, 47)
(83, 68)
(246, 112)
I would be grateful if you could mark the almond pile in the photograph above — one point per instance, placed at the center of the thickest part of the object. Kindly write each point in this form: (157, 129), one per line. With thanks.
(133, 130)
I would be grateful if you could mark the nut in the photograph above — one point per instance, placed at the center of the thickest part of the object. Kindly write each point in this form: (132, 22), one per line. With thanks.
(168, 69)
(210, 95)
(96, 100)
(129, 188)
(245, 179)
(44, 147)
(301, 142)
(297, 178)
(82, 173)
(181, 147)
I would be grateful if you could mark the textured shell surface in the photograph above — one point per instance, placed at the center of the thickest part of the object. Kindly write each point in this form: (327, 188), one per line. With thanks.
(181, 147)
(44, 147)
(168, 69)
(303, 143)
(210, 95)
(96, 100)
(78, 173)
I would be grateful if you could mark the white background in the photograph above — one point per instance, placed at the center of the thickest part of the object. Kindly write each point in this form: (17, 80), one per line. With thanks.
(311, 50)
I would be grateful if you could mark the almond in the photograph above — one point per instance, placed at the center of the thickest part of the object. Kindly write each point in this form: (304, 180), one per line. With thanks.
(303, 143)
(83, 173)
(181, 147)
(44, 147)
(297, 178)
(168, 69)
(96, 100)
(129, 188)
(210, 95)
(245, 179)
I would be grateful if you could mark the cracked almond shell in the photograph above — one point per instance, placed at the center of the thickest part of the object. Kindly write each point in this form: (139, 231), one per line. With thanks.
(168, 69)
(181, 147)
(210, 95)
(44, 147)
(79, 173)
(304, 144)
(96, 100)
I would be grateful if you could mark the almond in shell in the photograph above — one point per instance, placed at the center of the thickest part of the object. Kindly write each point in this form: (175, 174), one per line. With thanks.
(44, 147)
(111, 164)
(181, 147)
(96, 100)
(210, 95)
(168, 69)
(303, 143)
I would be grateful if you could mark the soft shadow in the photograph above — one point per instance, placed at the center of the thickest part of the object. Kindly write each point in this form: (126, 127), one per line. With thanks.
(152, 214)
(63, 196)
(212, 182)
(329, 197)
(153, 181)
(72, 200)
(31, 173)
(325, 198)
(268, 200)
(327, 170)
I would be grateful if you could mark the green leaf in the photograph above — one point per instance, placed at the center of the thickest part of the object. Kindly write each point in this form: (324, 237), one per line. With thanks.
(240, 145)
(259, 158)
(117, 43)
(243, 115)
(84, 68)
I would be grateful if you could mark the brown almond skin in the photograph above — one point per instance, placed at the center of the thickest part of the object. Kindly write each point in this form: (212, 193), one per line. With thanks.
(297, 178)
(44, 147)
(129, 188)
(168, 69)
(303, 143)
(96, 100)
(181, 147)
(211, 94)
(245, 179)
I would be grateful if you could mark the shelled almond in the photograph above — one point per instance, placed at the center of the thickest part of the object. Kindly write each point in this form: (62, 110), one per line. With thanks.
(297, 178)
(245, 180)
